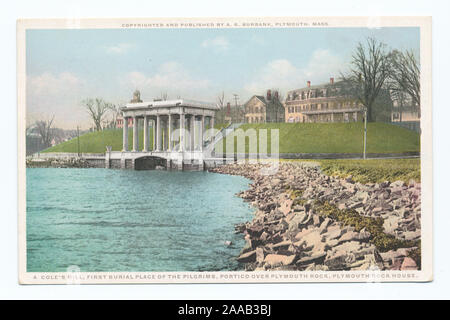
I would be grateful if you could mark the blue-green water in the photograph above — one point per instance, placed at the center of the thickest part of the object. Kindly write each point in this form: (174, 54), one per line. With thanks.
(124, 220)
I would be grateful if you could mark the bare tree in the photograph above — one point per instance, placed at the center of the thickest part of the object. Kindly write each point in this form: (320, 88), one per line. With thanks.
(405, 75)
(399, 96)
(370, 68)
(115, 110)
(277, 99)
(221, 105)
(45, 131)
(97, 109)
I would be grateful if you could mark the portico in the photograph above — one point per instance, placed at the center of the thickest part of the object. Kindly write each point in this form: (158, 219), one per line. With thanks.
(178, 130)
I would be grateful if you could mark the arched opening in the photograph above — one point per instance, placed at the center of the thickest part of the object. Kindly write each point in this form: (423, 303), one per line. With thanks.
(150, 163)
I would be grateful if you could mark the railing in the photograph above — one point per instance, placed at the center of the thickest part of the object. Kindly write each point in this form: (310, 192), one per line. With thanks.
(221, 134)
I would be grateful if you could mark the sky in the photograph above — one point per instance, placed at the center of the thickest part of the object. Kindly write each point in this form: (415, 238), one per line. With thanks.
(66, 66)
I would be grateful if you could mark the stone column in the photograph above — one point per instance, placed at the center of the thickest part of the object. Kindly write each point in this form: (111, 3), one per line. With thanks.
(192, 133)
(181, 131)
(163, 128)
(158, 133)
(146, 137)
(164, 140)
(212, 128)
(169, 136)
(135, 134)
(202, 129)
(154, 134)
(125, 134)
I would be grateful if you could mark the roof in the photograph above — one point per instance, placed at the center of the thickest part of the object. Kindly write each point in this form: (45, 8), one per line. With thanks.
(319, 86)
(262, 99)
(173, 103)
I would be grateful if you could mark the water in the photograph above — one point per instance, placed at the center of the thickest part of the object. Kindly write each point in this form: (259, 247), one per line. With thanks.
(124, 220)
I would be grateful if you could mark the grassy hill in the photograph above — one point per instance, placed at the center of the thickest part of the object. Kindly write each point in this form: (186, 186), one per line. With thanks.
(294, 138)
(96, 142)
(334, 137)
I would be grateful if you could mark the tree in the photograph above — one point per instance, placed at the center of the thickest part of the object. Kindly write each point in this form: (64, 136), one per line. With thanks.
(97, 109)
(277, 100)
(370, 68)
(45, 131)
(221, 105)
(115, 110)
(400, 97)
(405, 75)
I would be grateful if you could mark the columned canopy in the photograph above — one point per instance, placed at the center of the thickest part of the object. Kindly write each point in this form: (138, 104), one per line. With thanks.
(177, 125)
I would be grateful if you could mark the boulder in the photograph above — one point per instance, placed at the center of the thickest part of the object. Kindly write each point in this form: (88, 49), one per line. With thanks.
(310, 238)
(324, 225)
(282, 245)
(349, 246)
(339, 261)
(297, 221)
(333, 232)
(316, 220)
(255, 230)
(273, 260)
(363, 235)
(348, 236)
(303, 233)
(408, 264)
(247, 257)
(390, 224)
(412, 235)
(259, 255)
(285, 206)
(314, 258)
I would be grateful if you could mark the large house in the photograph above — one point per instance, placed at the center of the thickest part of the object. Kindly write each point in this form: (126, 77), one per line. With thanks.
(322, 103)
(260, 109)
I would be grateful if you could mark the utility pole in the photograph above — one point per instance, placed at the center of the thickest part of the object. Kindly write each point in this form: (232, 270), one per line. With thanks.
(236, 98)
(78, 140)
(365, 132)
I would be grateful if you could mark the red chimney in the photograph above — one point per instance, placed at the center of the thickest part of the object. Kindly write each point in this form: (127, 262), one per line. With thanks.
(331, 80)
(308, 83)
(269, 95)
(228, 109)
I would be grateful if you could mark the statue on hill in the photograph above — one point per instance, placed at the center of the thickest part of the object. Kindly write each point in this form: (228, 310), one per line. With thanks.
(136, 97)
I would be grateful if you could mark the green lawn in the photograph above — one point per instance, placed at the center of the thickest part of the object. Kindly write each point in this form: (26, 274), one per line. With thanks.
(294, 138)
(373, 170)
(96, 142)
(333, 138)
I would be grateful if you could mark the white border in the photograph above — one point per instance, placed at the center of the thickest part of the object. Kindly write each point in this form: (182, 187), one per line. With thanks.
(239, 277)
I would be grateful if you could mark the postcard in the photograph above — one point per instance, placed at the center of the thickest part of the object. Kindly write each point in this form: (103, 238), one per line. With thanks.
(224, 150)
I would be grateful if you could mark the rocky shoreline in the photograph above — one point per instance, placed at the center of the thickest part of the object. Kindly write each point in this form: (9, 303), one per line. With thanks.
(306, 220)
(59, 163)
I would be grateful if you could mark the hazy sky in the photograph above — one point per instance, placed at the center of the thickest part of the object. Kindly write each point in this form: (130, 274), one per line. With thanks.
(66, 66)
